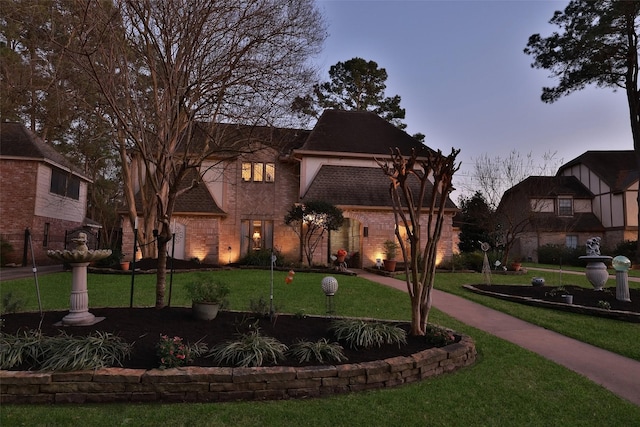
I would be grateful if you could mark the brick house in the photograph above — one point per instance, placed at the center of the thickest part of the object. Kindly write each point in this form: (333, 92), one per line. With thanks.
(244, 200)
(40, 191)
(594, 194)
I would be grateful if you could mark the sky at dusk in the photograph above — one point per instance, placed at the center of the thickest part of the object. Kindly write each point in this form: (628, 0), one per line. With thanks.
(465, 82)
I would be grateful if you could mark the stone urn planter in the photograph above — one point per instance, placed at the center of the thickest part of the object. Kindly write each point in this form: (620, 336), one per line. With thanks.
(596, 271)
(207, 297)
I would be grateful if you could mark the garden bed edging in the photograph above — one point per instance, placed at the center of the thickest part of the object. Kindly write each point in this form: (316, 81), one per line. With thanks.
(220, 384)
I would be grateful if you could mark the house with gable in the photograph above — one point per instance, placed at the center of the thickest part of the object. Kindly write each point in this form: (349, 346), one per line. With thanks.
(40, 191)
(594, 194)
(247, 196)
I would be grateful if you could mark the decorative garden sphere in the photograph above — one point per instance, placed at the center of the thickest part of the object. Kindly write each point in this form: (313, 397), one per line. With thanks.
(621, 263)
(329, 286)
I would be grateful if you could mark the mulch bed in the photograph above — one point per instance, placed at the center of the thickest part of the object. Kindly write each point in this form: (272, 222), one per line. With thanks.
(581, 296)
(143, 327)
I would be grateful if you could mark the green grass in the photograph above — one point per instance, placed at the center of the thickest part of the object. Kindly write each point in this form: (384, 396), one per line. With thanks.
(613, 335)
(508, 386)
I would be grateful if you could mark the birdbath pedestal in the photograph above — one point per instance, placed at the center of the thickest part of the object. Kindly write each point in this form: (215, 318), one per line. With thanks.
(79, 258)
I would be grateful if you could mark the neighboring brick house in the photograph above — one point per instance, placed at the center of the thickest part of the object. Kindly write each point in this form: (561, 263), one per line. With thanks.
(39, 190)
(594, 194)
(249, 195)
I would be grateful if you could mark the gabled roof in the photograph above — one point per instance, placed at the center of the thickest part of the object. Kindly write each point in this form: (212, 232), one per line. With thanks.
(198, 200)
(618, 169)
(551, 186)
(359, 132)
(18, 142)
(355, 186)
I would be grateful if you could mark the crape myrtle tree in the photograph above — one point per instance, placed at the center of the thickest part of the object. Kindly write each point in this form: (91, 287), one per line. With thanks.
(597, 44)
(310, 220)
(420, 184)
(168, 70)
(356, 84)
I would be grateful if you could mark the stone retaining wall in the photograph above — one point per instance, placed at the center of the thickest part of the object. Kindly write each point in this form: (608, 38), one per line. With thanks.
(197, 384)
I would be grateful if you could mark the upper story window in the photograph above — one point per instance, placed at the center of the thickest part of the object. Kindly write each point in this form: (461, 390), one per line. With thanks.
(565, 206)
(258, 172)
(65, 184)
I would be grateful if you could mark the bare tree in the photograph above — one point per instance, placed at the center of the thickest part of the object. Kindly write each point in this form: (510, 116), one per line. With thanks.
(415, 180)
(171, 72)
(495, 175)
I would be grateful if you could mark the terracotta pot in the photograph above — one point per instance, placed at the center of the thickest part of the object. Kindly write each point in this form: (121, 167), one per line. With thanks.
(390, 264)
(516, 266)
(124, 265)
(341, 258)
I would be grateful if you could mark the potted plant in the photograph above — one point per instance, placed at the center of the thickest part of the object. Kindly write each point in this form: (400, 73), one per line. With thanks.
(390, 251)
(207, 297)
(341, 255)
(516, 264)
(124, 265)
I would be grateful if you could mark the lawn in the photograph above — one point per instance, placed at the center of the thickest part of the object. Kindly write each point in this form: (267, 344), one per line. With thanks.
(507, 386)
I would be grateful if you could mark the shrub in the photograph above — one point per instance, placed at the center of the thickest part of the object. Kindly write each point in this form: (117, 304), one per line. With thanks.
(363, 334)
(251, 349)
(626, 248)
(439, 336)
(6, 249)
(173, 352)
(320, 351)
(464, 261)
(261, 308)
(561, 255)
(262, 258)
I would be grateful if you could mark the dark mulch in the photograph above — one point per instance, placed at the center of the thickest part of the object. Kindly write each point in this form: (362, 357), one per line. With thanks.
(143, 327)
(581, 296)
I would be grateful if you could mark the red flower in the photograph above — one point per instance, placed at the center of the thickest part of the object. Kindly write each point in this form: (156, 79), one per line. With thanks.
(341, 253)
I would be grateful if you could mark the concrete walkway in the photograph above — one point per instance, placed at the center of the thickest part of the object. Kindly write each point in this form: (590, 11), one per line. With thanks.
(618, 374)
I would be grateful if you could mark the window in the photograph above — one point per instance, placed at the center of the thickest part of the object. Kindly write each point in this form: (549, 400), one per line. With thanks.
(258, 172)
(256, 235)
(571, 241)
(565, 207)
(65, 184)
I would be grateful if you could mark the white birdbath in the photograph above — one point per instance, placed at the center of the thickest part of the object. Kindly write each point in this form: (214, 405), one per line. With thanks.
(79, 258)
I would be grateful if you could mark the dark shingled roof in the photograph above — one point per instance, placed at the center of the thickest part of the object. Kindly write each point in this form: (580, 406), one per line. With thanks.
(618, 169)
(196, 200)
(16, 141)
(545, 186)
(358, 132)
(354, 186)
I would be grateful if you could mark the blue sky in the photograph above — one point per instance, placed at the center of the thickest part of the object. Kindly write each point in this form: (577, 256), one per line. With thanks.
(465, 82)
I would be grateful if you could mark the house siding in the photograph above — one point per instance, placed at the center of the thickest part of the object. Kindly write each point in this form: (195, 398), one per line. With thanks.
(23, 184)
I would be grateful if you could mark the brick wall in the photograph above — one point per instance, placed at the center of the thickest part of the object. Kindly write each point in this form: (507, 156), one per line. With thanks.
(17, 207)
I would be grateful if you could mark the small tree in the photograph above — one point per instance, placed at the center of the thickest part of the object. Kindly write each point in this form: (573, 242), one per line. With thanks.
(310, 221)
(476, 223)
(414, 181)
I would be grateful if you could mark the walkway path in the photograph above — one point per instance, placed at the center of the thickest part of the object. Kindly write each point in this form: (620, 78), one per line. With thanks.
(619, 374)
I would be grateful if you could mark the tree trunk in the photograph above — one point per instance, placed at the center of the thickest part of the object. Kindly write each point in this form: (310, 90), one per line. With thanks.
(161, 278)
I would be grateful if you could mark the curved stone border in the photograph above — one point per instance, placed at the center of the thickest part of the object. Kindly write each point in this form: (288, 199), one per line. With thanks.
(627, 316)
(197, 384)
